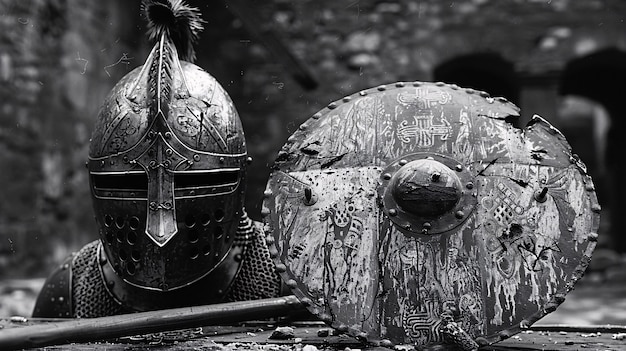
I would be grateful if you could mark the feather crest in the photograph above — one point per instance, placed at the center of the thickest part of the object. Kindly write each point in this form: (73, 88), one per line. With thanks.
(179, 22)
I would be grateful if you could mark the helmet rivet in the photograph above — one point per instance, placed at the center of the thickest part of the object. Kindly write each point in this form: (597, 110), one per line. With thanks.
(168, 135)
(102, 163)
(435, 177)
(221, 160)
(196, 157)
(458, 168)
(169, 152)
(292, 283)
(125, 159)
(393, 212)
(267, 193)
(386, 176)
(469, 185)
(426, 225)
(249, 160)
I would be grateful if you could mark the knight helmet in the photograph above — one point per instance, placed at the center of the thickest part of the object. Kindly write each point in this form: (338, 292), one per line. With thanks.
(167, 161)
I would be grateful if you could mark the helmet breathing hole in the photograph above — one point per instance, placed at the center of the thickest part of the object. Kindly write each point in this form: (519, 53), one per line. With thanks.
(130, 268)
(123, 255)
(219, 215)
(205, 219)
(109, 236)
(193, 253)
(134, 223)
(120, 236)
(190, 221)
(131, 238)
(219, 231)
(119, 222)
(108, 220)
(193, 236)
(135, 255)
(206, 250)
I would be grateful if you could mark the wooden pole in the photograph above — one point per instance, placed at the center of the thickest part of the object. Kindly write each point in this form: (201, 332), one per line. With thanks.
(103, 328)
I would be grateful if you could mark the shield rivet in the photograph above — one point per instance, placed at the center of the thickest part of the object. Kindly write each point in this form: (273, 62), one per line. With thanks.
(386, 176)
(386, 343)
(458, 168)
(540, 195)
(459, 214)
(426, 225)
(403, 162)
(280, 268)
(309, 197)
(393, 212)
(469, 185)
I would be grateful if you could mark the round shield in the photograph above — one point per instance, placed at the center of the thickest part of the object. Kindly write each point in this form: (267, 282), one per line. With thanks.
(416, 213)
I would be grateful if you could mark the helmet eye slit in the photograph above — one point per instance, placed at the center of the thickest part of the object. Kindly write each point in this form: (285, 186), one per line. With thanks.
(120, 182)
(197, 180)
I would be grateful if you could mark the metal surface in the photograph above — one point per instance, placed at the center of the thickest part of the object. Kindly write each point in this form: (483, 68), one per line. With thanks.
(400, 209)
(167, 165)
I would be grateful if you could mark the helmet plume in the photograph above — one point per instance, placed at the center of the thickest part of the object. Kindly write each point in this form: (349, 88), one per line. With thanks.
(176, 20)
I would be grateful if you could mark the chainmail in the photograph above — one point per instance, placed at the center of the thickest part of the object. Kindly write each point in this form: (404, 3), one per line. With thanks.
(256, 279)
(90, 297)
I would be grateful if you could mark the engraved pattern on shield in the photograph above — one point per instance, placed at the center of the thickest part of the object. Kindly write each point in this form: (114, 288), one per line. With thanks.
(331, 247)
(531, 248)
(383, 125)
(424, 278)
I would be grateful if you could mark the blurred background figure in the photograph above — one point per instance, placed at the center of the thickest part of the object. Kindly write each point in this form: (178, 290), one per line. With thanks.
(281, 61)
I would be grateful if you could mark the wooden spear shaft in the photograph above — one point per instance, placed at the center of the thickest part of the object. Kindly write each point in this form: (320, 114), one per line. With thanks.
(103, 328)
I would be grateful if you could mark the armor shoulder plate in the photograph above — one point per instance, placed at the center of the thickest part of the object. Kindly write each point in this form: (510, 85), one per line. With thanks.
(54, 299)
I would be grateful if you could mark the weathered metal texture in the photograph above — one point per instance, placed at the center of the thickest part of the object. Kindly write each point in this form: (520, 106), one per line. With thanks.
(509, 231)
(167, 166)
